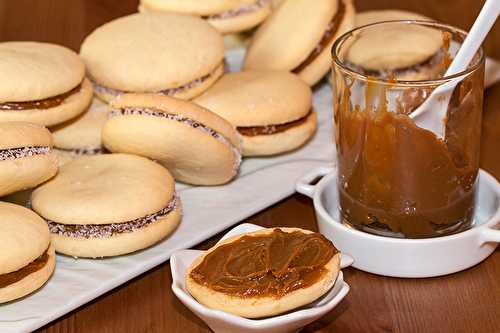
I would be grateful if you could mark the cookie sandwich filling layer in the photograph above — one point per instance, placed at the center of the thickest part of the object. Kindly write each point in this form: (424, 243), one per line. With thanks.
(83, 151)
(41, 104)
(111, 229)
(238, 11)
(271, 129)
(15, 153)
(16, 276)
(181, 119)
(98, 88)
(327, 39)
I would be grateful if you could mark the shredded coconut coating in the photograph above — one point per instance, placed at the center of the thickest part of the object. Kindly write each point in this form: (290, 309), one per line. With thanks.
(109, 230)
(243, 9)
(15, 153)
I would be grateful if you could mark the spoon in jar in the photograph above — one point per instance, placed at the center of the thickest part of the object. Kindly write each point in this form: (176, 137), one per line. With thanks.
(431, 114)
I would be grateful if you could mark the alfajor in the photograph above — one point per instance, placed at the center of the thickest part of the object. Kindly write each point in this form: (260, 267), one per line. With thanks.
(272, 111)
(26, 156)
(82, 135)
(264, 273)
(45, 83)
(28, 258)
(162, 53)
(403, 52)
(298, 37)
(108, 205)
(197, 146)
(227, 16)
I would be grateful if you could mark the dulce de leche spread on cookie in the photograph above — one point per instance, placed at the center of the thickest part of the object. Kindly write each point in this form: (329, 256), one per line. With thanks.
(401, 180)
(271, 265)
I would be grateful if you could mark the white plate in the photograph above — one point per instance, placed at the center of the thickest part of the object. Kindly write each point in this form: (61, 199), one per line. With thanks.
(408, 258)
(222, 322)
(208, 210)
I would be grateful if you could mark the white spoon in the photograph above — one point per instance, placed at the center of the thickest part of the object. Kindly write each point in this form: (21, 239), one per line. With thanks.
(431, 114)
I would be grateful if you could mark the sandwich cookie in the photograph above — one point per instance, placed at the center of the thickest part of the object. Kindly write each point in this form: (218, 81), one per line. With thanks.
(298, 37)
(197, 146)
(108, 205)
(26, 156)
(227, 16)
(271, 110)
(28, 258)
(45, 84)
(264, 273)
(405, 52)
(82, 135)
(162, 53)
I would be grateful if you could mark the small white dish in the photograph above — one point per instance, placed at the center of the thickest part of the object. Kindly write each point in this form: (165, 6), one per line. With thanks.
(223, 322)
(409, 258)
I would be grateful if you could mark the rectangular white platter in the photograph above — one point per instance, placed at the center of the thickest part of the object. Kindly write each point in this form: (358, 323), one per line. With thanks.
(207, 211)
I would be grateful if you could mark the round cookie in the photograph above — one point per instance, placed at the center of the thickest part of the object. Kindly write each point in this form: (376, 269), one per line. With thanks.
(46, 83)
(261, 305)
(271, 110)
(28, 258)
(26, 156)
(227, 16)
(405, 53)
(82, 135)
(197, 146)
(108, 205)
(154, 53)
(298, 37)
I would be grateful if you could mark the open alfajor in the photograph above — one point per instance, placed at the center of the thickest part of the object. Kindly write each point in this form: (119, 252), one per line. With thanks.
(272, 111)
(197, 146)
(26, 156)
(43, 83)
(264, 273)
(163, 53)
(298, 37)
(82, 135)
(403, 52)
(108, 205)
(227, 16)
(28, 258)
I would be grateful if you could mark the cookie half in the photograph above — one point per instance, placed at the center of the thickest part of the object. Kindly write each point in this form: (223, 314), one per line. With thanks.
(28, 258)
(298, 37)
(45, 85)
(81, 136)
(154, 53)
(197, 146)
(264, 273)
(108, 205)
(26, 156)
(272, 111)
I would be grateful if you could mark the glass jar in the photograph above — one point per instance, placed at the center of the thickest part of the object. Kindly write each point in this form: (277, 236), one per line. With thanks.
(396, 178)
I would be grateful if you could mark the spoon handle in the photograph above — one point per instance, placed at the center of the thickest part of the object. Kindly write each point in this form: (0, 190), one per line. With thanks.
(477, 34)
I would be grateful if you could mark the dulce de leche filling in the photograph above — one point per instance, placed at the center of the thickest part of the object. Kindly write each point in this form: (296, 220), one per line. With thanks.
(16, 276)
(41, 104)
(271, 265)
(108, 230)
(271, 129)
(327, 39)
(15, 153)
(398, 177)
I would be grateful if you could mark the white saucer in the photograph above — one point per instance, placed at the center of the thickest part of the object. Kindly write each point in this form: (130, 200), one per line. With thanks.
(408, 258)
(222, 322)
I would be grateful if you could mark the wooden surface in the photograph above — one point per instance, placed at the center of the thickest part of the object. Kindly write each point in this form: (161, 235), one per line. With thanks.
(465, 302)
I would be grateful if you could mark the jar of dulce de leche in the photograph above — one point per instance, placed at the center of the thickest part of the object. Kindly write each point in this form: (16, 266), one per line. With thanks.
(395, 177)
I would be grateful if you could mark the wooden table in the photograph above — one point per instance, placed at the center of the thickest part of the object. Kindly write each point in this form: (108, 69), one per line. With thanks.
(465, 302)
